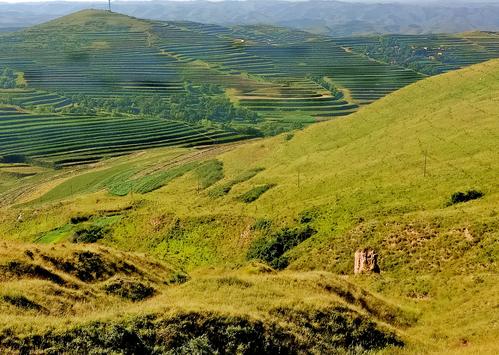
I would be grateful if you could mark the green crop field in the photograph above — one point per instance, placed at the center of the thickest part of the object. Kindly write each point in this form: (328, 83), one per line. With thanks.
(65, 140)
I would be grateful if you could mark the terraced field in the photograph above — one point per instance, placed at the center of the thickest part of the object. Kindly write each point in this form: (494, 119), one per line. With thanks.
(98, 71)
(108, 55)
(305, 54)
(441, 52)
(265, 69)
(282, 60)
(31, 98)
(65, 140)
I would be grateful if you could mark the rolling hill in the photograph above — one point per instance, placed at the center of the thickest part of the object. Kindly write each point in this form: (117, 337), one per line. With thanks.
(103, 54)
(413, 175)
(95, 85)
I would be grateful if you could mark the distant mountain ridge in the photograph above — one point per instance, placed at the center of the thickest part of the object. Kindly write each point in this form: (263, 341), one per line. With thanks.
(327, 17)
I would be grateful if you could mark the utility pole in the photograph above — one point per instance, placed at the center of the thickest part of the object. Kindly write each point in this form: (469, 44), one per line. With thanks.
(109, 3)
(425, 158)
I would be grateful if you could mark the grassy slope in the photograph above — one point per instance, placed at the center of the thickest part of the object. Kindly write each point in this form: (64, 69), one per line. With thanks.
(92, 298)
(368, 168)
(362, 178)
(71, 281)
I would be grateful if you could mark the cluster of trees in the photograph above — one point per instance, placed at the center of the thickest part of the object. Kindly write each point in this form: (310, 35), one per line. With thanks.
(8, 79)
(272, 250)
(329, 86)
(421, 59)
(119, 105)
(194, 107)
(195, 104)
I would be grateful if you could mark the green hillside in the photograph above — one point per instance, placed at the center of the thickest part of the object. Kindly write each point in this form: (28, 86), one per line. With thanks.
(394, 176)
(95, 84)
(103, 54)
(65, 140)
(429, 54)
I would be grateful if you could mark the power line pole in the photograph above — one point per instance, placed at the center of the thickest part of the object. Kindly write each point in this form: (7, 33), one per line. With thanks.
(425, 158)
(109, 3)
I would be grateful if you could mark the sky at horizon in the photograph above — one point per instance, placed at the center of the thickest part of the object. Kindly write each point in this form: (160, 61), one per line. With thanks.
(362, 1)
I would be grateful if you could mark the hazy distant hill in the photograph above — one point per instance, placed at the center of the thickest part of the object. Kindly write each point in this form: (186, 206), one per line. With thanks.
(332, 17)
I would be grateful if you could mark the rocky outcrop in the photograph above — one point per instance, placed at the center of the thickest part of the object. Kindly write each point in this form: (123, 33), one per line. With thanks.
(366, 261)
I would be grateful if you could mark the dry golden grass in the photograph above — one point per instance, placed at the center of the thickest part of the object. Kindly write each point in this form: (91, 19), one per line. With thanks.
(69, 280)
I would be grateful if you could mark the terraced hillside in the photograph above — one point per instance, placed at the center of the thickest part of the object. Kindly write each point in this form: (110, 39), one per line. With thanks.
(64, 140)
(306, 55)
(289, 78)
(431, 54)
(264, 68)
(32, 98)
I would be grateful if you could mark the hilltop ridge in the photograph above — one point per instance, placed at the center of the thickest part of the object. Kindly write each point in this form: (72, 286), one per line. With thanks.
(91, 17)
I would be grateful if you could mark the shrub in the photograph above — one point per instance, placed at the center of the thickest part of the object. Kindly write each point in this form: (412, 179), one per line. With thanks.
(220, 191)
(87, 266)
(8, 79)
(331, 330)
(88, 235)
(255, 193)
(459, 197)
(80, 218)
(261, 224)
(18, 269)
(178, 278)
(271, 250)
(308, 216)
(209, 173)
(22, 302)
(280, 263)
(200, 345)
(129, 289)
